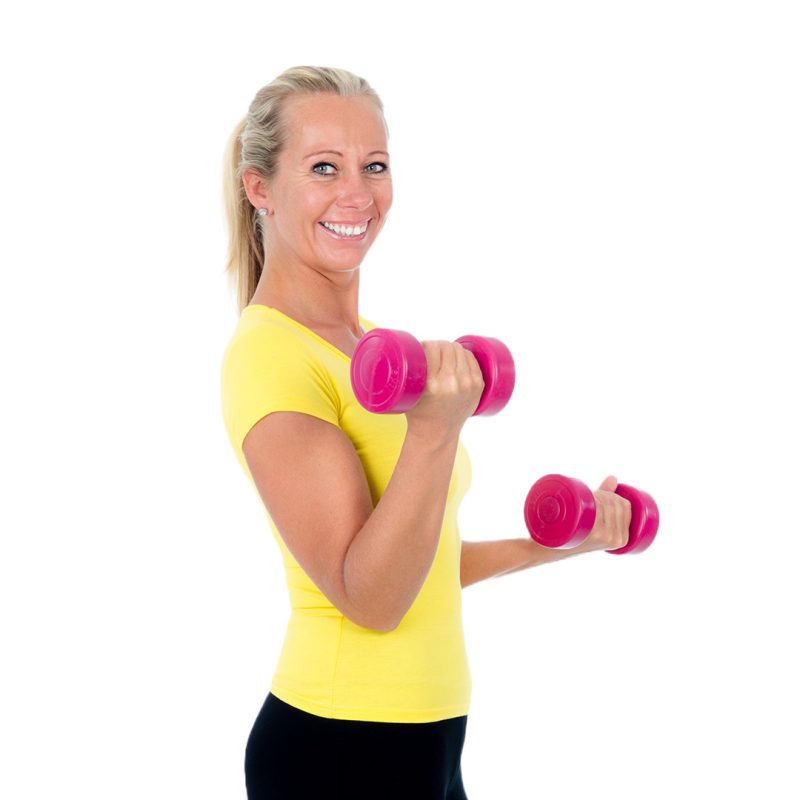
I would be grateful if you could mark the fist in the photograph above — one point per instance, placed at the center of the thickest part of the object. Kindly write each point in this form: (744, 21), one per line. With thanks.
(453, 387)
(613, 518)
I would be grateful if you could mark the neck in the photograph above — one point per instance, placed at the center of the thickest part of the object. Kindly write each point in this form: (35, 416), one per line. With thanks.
(313, 298)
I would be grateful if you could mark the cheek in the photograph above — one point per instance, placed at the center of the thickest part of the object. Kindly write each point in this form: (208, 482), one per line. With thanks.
(386, 195)
(304, 195)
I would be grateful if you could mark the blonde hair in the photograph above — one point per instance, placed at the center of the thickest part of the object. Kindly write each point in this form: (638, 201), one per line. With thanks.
(256, 143)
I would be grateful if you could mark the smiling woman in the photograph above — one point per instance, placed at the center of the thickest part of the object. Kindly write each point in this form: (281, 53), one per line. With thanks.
(362, 506)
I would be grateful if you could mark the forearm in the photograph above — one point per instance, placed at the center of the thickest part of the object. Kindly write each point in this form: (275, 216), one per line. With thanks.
(482, 560)
(390, 557)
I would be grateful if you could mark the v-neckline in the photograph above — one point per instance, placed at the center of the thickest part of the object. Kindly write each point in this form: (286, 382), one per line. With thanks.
(307, 329)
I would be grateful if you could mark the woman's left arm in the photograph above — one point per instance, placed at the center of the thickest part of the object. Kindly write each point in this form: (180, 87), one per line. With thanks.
(482, 560)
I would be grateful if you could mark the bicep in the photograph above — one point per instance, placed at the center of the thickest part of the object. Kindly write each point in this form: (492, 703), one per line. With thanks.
(313, 485)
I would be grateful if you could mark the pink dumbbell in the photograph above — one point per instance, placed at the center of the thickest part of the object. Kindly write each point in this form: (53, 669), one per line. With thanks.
(389, 369)
(560, 512)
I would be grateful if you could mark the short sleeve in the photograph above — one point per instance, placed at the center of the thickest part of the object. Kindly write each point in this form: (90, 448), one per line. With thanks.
(270, 369)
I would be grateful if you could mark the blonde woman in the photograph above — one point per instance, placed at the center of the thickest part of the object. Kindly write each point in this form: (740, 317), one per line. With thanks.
(371, 692)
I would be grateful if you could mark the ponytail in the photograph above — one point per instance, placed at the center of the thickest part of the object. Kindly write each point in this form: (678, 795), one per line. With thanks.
(245, 249)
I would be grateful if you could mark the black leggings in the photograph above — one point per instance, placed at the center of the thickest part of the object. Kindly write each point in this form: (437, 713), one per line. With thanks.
(294, 755)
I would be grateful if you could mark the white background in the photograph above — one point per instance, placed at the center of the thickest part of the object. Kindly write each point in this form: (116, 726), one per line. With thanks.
(609, 188)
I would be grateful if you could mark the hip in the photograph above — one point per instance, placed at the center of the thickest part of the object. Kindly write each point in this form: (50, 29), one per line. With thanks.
(292, 753)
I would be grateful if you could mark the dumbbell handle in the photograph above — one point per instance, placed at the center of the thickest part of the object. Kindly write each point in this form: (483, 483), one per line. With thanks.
(560, 512)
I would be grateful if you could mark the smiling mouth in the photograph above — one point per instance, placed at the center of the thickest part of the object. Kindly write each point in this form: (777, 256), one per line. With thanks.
(342, 232)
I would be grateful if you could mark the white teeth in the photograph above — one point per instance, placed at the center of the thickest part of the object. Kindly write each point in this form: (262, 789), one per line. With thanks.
(348, 230)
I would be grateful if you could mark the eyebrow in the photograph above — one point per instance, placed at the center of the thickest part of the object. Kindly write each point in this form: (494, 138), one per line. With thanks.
(336, 152)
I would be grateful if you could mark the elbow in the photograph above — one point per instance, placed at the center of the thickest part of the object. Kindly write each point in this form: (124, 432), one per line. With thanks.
(368, 612)
(383, 629)
(377, 624)
(374, 620)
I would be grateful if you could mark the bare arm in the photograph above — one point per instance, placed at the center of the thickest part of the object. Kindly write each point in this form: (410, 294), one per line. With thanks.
(389, 559)
(369, 562)
(482, 560)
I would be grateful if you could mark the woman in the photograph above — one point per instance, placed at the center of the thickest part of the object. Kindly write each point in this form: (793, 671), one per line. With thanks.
(371, 692)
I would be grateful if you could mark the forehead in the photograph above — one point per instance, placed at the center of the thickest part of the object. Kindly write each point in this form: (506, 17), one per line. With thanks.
(316, 122)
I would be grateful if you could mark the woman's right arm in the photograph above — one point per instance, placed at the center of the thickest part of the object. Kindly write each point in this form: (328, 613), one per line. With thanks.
(369, 562)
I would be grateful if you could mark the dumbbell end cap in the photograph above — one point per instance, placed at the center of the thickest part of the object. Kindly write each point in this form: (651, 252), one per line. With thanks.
(499, 374)
(559, 512)
(644, 520)
(388, 371)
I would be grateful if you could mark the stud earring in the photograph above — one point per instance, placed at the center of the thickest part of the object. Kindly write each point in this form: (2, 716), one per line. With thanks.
(262, 212)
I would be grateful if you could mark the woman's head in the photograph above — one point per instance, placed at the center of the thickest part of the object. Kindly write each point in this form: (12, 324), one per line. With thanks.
(269, 164)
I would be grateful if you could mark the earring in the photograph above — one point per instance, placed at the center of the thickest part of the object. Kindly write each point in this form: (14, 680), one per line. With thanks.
(262, 212)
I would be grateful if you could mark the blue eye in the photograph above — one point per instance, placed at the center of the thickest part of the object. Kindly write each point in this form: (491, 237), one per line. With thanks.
(383, 167)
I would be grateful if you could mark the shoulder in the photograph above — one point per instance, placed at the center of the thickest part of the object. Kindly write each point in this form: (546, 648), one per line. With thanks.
(263, 336)
(269, 366)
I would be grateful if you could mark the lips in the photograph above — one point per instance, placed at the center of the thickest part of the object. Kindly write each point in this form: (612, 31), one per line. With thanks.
(340, 237)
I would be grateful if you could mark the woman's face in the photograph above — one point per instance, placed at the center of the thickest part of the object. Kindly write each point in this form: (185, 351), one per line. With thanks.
(334, 169)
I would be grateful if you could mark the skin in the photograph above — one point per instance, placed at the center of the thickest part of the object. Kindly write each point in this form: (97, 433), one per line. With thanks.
(309, 275)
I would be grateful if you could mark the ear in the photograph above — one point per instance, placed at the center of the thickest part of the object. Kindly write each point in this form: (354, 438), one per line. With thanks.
(256, 188)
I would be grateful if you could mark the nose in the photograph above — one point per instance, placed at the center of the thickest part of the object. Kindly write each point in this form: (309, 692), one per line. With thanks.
(355, 192)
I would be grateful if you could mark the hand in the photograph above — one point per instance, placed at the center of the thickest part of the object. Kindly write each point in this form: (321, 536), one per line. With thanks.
(453, 389)
(613, 520)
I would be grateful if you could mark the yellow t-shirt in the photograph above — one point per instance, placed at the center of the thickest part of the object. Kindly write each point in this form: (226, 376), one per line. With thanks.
(330, 666)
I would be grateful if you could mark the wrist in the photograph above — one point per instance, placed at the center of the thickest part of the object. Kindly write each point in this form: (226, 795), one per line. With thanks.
(539, 554)
(432, 436)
